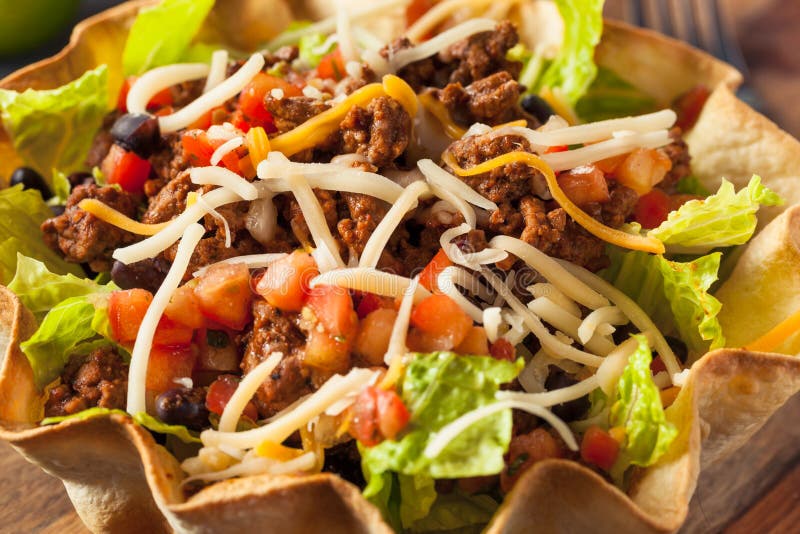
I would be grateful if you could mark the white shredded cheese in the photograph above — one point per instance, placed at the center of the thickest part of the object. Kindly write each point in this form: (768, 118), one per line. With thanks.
(218, 216)
(555, 396)
(440, 42)
(317, 225)
(446, 281)
(222, 132)
(310, 91)
(662, 380)
(472, 260)
(255, 465)
(679, 379)
(277, 93)
(344, 33)
(551, 270)
(438, 176)
(562, 161)
(546, 289)
(184, 382)
(383, 232)
(612, 367)
(245, 391)
(280, 429)
(438, 14)
(224, 178)
(567, 323)
(370, 280)
(215, 97)
(152, 82)
(253, 261)
(605, 315)
(492, 320)
(137, 373)
(397, 340)
(218, 70)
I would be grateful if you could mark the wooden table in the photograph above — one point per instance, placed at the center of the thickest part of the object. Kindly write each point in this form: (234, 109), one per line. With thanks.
(757, 490)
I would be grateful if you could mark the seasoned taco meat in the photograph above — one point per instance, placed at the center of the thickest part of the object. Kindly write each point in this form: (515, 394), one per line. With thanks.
(491, 100)
(83, 238)
(678, 153)
(380, 132)
(291, 111)
(99, 379)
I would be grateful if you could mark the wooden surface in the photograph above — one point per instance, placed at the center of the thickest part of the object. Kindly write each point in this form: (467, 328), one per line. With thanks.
(756, 490)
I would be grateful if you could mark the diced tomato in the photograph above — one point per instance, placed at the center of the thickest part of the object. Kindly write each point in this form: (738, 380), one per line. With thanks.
(166, 364)
(126, 169)
(122, 98)
(126, 310)
(419, 341)
(642, 169)
(328, 352)
(475, 342)
(216, 350)
(652, 209)
(524, 451)
(285, 284)
(416, 9)
(689, 105)
(502, 349)
(203, 123)
(557, 148)
(609, 165)
(333, 307)
(161, 99)
(430, 274)
(221, 391)
(440, 316)
(657, 365)
(184, 308)
(224, 294)
(251, 99)
(370, 302)
(599, 448)
(239, 121)
(170, 333)
(584, 185)
(378, 414)
(332, 66)
(230, 160)
(373, 337)
(197, 149)
(163, 112)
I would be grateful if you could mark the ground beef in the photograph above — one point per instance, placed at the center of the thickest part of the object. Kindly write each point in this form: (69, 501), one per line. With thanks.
(83, 238)
(464, 62)
(291, 111)
(186, 92)
(102, 141)
(170, 201)
(364, 214)
(678, 153)
(276, 331)
(380, 132)
(491, 100)
(621, 205)
(167, 163)
(99, 379)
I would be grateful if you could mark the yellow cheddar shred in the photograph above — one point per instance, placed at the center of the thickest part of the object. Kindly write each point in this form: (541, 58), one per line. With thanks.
(593, 226)
(393, 374)
(276, 451)
(257, 145)
(398, 89)
(437, 109)
(772, 339)
(519, 123)
(120, 220)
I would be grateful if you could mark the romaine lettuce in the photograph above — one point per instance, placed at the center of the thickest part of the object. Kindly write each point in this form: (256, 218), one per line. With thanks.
(637, 408)
(725, 218)
(161, 34)
(155, 425)
(54, 128)
(573, 69)
(438, 388)
(610, 97)
(313, 47)
(89, 413)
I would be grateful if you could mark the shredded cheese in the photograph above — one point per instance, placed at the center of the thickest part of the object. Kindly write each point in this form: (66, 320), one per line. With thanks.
(440, 42)
(383, 232)
(281, 428)
(371, 281)
(168, 235)
(546, 289)
(491, 321)
(637, 316)
(224, 178)
(258, 466)
(245, 391)
(224, 149)
(253, 261)
(437, 109)
(561, 319)
(780, 333)
(317, 225)
(397, 340)
(137, 374)
(598, 317)
(435, 174)
(553, 397)
(215, 97)
(158, 79)
(344, 33)
(111, 216)
(218, 70)
(562, 161)
(446, 281)
(438, 14)
(591, 225)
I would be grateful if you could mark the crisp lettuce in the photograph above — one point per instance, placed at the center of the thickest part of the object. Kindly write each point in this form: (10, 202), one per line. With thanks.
(611, 97)
(89, 413)
(690, 185)
(452, 511)
(573, 69)
(161, 34)
(438, 388)
(725, 218)
(313, 47)
(54, 128)
(21, 213)
(155, 425)
(637, 408)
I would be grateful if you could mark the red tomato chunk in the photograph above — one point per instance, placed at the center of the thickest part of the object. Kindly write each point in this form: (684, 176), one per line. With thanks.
(126, 310)
(440, 317)
(224, 294)
(599, 448)
(221, 391)
(285, 284)
(378, 415)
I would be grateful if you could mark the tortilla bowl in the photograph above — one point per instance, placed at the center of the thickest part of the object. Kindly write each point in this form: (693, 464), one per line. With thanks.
(121, 480)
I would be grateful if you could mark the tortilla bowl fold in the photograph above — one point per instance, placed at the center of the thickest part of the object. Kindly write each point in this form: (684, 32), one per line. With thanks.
(121, 480)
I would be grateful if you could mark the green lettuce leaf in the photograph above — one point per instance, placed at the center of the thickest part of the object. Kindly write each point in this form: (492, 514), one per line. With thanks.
(21, 214)
(89, 413)
(610, 97)
(61, 189)
(454, 511)
(637, 408)
(690, 185)
(155, 425)
(674, 294)
(437, 389)
(54, 128)
(573, 69)
(312, 50)
(161, 34)
(40, 290)
(725, 218)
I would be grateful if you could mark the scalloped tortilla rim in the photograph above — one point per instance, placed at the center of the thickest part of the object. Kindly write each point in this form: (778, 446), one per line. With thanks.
(121, 481)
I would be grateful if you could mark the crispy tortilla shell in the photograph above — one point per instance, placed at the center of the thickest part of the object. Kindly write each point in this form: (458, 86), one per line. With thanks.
(121, 480)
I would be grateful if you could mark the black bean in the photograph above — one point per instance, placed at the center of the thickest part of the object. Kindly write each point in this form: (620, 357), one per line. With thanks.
(568, 411)
(183, 406)
(57, 210)
(30, 179)
(147, 274)
(80, 178)
(538, 107)
(137, 132)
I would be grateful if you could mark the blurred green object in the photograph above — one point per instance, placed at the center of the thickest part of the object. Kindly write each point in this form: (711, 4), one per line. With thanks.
(26, 24)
